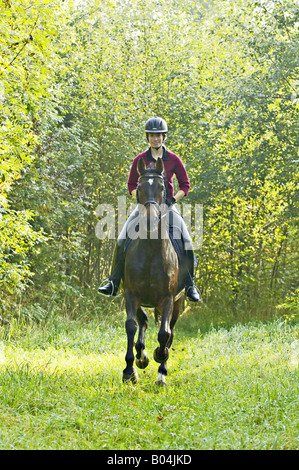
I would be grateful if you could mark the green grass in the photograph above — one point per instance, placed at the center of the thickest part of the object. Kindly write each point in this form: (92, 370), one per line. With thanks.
(234, 388)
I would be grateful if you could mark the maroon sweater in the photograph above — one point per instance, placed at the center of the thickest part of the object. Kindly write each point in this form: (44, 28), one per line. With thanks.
(173, 165)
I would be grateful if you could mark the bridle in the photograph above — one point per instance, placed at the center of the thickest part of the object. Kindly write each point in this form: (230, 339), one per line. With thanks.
(151, 202)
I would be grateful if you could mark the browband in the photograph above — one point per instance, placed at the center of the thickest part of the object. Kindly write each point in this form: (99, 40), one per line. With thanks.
(153, 175)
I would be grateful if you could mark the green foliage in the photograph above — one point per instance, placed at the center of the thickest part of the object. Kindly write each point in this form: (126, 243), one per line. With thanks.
(17, 239)
(26, 72)
(77, 82)
(82, 79)
(291, 306)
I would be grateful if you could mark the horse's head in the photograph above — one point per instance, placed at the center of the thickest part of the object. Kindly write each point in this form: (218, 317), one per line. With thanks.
(151, 191)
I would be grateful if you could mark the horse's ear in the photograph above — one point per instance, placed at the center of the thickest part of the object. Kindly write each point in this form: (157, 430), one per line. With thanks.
(159, 165)
(141, 167)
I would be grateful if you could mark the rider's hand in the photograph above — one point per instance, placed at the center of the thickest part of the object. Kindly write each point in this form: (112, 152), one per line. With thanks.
(170, 201)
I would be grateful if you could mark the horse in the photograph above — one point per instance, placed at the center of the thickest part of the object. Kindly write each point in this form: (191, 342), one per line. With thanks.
(152, 276)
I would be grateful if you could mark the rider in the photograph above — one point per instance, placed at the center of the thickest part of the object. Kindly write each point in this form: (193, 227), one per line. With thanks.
(156, 130)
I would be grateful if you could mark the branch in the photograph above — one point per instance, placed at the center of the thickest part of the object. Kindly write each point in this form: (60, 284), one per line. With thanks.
(30, 38)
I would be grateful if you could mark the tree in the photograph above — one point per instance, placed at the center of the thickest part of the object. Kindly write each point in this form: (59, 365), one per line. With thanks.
(26, 77)
(224, 77)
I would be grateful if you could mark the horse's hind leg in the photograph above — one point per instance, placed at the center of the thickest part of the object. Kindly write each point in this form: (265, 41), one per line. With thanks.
(175, 316)
(162, 371)
(161, 353)
(141, 356)
(130, 373)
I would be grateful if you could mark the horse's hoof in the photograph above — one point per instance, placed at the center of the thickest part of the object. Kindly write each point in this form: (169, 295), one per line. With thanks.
(161, 384)
(159, 358)
(130, 377)
(143, 361)
(161, 381)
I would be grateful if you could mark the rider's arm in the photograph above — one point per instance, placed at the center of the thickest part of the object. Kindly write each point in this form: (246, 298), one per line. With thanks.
(182, 177)
(179, 195)
(133, 177)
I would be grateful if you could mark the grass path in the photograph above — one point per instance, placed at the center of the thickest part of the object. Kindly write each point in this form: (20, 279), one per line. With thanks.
(60, 388)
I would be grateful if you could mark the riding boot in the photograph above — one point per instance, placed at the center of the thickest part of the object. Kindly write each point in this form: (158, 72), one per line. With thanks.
(180, 231)
(192, 292)
(117, 271)
(118, 262)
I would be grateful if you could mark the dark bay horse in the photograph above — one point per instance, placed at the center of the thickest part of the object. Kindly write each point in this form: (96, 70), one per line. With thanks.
(152, 276)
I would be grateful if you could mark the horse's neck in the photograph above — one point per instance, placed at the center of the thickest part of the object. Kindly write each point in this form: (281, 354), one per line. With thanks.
(154, 245)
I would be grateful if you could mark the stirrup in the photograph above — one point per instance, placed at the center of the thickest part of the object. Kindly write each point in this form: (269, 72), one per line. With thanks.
(113, 286)
(196, 288)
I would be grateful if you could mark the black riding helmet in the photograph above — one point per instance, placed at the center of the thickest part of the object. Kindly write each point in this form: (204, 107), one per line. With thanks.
(156, 125)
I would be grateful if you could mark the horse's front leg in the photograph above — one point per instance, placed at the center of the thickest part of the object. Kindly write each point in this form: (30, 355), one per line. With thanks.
(130, 373)
(141, 356)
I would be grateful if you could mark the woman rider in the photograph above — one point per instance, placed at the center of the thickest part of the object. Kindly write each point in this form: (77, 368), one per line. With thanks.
(156, 129)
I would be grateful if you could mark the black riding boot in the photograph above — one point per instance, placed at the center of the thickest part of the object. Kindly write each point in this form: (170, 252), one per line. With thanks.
(175, 220)
(192, 292)
(118, 262)
(117, 271)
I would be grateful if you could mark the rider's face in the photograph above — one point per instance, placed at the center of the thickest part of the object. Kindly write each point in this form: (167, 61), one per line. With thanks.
(155, 140)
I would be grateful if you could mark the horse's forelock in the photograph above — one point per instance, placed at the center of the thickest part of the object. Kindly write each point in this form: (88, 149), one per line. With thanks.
(152, 166)
(152, 170)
